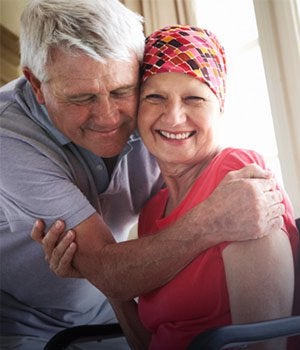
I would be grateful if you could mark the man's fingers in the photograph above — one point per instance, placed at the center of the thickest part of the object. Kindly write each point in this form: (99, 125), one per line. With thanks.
(256, 172)
(266, 185)
(276, 222)
(277, 210)
(250, 171)
(273, 197)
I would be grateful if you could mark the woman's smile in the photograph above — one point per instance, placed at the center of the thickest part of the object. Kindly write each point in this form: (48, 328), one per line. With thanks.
(176, 135)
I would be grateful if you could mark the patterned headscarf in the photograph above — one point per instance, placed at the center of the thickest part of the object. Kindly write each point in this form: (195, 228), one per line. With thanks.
(189, 50)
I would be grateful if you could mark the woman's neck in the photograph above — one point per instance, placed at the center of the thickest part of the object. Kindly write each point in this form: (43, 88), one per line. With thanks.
(180, 178)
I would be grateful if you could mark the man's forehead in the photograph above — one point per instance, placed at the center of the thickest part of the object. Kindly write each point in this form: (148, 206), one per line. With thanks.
(81, 67)
(103, 84)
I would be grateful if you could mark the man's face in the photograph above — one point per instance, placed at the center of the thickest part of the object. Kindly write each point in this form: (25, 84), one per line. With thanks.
(92, 103)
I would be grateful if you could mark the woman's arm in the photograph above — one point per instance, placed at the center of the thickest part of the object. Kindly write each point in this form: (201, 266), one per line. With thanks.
(127, 314)
(260, 281)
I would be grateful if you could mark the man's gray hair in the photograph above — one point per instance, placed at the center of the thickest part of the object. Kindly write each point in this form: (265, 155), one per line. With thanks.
(102, 29)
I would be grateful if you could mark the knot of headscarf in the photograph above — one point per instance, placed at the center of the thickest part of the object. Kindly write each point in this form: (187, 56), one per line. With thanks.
(189, 50)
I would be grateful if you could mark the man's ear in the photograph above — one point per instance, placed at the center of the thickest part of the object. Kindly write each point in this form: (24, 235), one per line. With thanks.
(36, 85)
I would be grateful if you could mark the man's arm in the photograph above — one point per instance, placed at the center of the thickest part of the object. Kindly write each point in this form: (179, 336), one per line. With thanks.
(240, 208)
(260, 281)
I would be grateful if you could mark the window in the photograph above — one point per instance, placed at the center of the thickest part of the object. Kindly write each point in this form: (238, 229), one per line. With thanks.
(247, 119)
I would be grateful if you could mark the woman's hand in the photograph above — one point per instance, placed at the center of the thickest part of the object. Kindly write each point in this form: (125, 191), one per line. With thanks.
(59, 247)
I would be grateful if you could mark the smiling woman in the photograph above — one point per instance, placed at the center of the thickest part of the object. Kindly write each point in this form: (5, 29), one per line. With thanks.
(181, 105)
(177, 118)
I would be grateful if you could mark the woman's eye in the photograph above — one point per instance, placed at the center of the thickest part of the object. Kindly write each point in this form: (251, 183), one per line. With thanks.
(195, 98)
(154, 96)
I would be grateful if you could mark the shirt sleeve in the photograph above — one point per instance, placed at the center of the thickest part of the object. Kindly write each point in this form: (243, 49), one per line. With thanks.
(34, 184)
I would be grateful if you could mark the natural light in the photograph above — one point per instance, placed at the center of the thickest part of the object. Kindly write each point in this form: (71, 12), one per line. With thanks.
(247, 121)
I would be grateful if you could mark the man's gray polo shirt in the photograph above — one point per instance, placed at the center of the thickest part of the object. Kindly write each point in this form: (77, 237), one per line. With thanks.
(43, 175)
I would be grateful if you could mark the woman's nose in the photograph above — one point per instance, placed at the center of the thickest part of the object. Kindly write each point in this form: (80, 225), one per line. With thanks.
(174, 113)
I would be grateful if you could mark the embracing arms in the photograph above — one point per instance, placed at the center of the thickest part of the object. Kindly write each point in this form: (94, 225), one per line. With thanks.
(241, 207)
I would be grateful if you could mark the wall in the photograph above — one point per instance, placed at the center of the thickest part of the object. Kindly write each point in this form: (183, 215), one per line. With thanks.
(10, 11)
(10, 14)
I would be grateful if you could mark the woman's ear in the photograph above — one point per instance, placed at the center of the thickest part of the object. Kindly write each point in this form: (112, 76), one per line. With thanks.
(36, 85)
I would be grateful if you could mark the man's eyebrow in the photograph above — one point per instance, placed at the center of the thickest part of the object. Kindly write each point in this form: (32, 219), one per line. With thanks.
(127, 87)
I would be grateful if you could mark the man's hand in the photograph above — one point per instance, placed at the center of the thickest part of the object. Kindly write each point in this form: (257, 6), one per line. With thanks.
(245, 205)
(59, 247)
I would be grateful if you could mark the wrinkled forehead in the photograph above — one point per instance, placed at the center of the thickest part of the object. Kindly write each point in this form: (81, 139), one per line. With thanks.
(71, 71)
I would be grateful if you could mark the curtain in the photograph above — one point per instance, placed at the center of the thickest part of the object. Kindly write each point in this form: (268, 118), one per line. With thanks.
(158, 13)
(279, 35)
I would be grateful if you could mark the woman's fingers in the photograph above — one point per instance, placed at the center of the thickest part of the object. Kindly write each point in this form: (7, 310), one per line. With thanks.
(37, 232)
(62, 256)
(52, 238)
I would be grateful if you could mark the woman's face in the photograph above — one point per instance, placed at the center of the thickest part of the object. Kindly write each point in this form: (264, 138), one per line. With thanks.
(177, 118)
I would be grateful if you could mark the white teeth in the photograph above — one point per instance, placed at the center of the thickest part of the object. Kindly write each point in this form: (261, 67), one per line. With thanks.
(181, 136)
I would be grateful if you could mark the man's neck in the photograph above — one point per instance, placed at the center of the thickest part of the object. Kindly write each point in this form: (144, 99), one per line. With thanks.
(110, 164)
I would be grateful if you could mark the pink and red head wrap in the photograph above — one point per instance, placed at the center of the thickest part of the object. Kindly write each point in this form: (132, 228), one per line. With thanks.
(189, 50)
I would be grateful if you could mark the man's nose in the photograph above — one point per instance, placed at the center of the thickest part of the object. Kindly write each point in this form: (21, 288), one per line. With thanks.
(105, 111)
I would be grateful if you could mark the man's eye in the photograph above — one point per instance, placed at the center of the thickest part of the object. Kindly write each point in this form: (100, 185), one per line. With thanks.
(83, 99)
